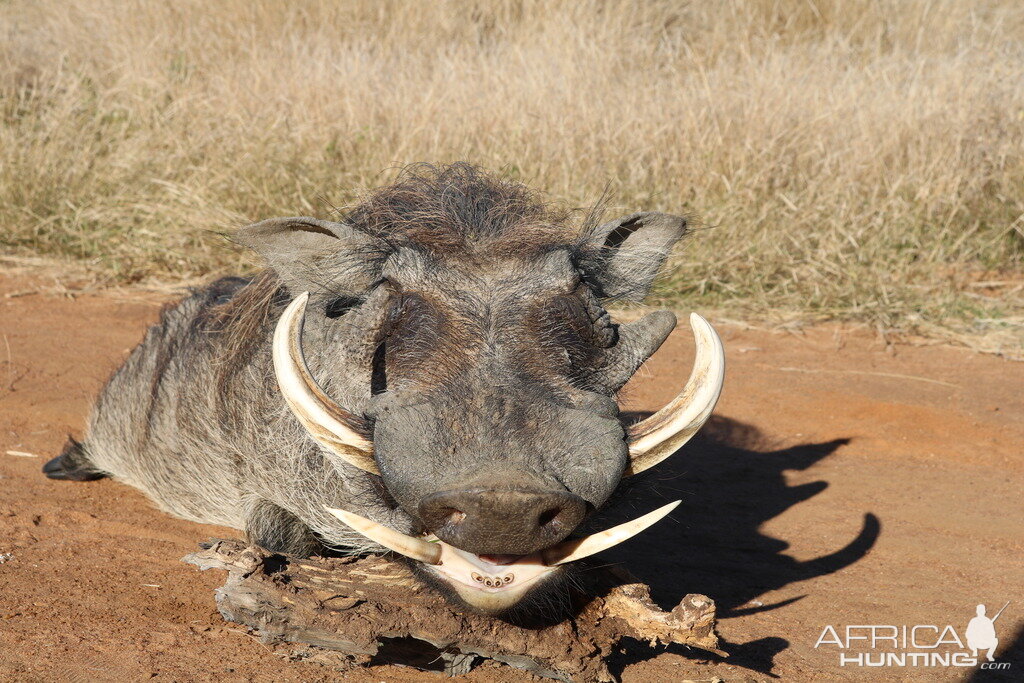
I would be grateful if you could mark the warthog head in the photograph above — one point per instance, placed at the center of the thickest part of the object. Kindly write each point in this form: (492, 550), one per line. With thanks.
(487, 405)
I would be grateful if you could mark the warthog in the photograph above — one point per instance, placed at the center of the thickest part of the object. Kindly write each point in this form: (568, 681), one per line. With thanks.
(436, 374)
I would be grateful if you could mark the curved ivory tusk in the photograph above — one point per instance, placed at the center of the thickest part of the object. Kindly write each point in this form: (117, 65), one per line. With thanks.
(577, 549)
(662, 434)
(327, 422)
(417, 549)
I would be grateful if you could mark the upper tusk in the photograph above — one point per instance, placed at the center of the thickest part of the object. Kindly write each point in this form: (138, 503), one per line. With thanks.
(662, 434)
(417, 549)
(577, 549)
(327, 422)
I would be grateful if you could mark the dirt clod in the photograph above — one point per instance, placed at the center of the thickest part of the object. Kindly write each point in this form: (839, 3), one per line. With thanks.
(366, 609)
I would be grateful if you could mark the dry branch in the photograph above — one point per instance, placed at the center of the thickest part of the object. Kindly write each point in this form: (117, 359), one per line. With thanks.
(374, 611)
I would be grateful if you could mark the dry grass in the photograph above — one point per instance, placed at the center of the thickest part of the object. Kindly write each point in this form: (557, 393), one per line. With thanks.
(857, 160)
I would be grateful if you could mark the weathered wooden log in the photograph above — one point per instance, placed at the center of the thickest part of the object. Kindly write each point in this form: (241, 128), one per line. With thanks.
(374, 611)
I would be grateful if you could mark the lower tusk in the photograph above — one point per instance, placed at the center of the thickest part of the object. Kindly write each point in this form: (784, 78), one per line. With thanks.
(577, 549)
(429, 553)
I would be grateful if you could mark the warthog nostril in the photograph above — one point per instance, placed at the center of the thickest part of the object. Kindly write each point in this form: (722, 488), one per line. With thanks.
(548, 516)
(456, 516)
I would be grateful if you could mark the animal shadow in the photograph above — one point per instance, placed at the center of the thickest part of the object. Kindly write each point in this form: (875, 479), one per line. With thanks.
(730, 482)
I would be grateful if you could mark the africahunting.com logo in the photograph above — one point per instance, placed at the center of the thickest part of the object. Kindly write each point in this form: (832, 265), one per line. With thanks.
(921, 645)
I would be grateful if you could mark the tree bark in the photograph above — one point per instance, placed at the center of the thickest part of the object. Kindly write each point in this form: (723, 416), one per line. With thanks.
(374, 611)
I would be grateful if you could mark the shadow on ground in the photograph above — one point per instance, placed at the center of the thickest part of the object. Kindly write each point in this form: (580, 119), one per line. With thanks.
(730, 482)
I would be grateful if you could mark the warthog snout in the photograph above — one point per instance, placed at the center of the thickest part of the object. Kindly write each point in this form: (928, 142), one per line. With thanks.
(494, 521)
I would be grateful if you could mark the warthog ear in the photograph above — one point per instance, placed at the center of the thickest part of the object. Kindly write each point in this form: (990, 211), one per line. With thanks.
(627, 253)
(313, 255)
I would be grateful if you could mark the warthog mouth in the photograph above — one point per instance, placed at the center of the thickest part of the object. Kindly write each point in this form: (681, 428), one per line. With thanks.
(495, 583)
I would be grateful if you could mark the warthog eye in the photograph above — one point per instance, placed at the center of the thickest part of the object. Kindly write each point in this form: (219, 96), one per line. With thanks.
(585, 317)
(340, 306)
(605, 333)
(407, 346)
(379, 375)
(578, 326)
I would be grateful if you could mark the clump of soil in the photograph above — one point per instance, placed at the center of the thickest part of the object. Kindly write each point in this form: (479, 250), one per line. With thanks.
(374, 610)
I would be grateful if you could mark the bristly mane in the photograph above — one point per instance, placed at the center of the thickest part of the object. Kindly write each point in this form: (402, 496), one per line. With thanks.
(459, 208)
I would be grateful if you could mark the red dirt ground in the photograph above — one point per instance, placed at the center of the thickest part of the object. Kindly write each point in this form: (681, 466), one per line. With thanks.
(840, 483)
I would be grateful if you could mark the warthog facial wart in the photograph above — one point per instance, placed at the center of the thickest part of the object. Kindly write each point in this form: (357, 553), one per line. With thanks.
(434, 375)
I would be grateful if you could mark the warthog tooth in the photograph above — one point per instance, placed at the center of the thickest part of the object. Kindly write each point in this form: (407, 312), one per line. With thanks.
(326, 421)
(577, 549)
(662, 434)
(417, 549)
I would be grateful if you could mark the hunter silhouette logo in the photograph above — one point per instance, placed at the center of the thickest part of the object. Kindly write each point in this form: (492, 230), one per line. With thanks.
(927, 645)
(981, 633)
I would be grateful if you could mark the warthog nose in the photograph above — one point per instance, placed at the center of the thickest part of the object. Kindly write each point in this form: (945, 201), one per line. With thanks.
(490, 521)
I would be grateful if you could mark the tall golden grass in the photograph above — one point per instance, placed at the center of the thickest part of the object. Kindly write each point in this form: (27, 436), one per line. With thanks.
(852, 159)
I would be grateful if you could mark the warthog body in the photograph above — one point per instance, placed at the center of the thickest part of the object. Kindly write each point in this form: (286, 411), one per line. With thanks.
(457, 325)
